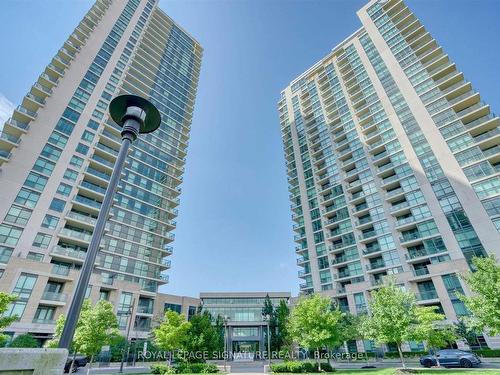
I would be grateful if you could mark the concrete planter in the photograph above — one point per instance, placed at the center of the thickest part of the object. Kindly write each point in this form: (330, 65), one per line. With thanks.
(37, 361)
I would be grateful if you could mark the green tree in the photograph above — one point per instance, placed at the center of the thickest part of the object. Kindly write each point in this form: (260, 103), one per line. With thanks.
(5, 321)
(202, 336)
(219, 326)
(117, 346)
(430, 327)
(269, 310)
(484, 304)
(24, 341)
(172, 333)
(315, 324)
(392, 312)
(466, 332)
(97, 326)
(282, 339)
(60, 321)
(350, 327)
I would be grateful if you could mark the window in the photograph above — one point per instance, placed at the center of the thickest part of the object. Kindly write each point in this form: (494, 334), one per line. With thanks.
(173, 307)
(9, 235)
(70, 174)
(5, 254)
(37, 257)
(94, 125)
(70, 114)
(42, 240)
(18, 215)
(50, 222)
(57, 139)
(44, 166)
(22, 290)
(191, 311)
(88, 136)
(64, 126)
(104, 295)
(36, 181)
(88, 291)
(76, 161)
(44, 314)
(64, 189)
(82, 149)
(57, 205)
(50, 152)
(27, 198)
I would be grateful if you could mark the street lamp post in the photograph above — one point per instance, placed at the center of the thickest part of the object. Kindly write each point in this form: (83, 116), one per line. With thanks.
(130, 314)
(136, 115)
(226, 341)
(267, 318)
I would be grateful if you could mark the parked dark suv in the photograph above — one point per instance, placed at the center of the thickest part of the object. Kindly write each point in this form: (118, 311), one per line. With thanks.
(451, 357)
(80, 361)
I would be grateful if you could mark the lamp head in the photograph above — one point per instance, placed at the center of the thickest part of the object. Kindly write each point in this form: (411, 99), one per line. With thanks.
(145, 112)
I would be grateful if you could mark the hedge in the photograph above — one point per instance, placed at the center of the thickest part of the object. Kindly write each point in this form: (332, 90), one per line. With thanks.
(185, 368)
(488, 353)
(300, 367)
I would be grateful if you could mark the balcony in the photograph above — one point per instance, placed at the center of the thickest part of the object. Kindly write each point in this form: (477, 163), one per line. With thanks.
(17, 125)
(375, 265)
(82, 218)
(420, 271)
(10, 139)
(67, 252)
(4, 155)
(52, 296)
(302, 260)
(58, 269)
(43, 321)
(427, 295)
(75, 235)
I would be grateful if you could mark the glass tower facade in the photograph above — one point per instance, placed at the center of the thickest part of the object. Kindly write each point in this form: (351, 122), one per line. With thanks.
(57, 152)
(392, 162)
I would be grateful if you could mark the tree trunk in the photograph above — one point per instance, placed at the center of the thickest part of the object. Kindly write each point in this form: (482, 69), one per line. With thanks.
(401, 355)
(319, 360)
(90, 364)
(328, 355)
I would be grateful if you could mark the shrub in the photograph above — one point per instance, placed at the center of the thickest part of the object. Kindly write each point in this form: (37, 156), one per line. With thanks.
(488, 352)
(405, 354)
(24, 341)
(196, 368)
(300, 367)
(159, 369)
(326, 367)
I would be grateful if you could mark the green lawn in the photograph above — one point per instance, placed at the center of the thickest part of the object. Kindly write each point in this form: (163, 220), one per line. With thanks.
(392, 371)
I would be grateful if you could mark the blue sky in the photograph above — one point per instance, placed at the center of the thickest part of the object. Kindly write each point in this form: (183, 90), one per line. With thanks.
(234, 228)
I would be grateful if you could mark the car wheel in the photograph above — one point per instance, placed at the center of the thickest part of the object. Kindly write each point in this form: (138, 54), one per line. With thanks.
(427, 363)
(465, 363)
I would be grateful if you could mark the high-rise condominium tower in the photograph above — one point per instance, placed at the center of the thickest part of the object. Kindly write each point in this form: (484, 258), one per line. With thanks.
(393, 162)
(57, 153)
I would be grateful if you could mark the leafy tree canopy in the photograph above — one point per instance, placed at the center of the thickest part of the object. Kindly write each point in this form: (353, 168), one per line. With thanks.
(172, 333)
(484, 304)
(314, 323)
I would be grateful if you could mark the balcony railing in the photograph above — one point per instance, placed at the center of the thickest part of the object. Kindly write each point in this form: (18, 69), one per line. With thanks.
(58, 269)
(426, 295)
(53, 296)
(44, 321)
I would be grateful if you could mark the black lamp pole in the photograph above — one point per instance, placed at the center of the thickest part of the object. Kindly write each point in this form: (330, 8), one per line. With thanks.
(136, 115)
